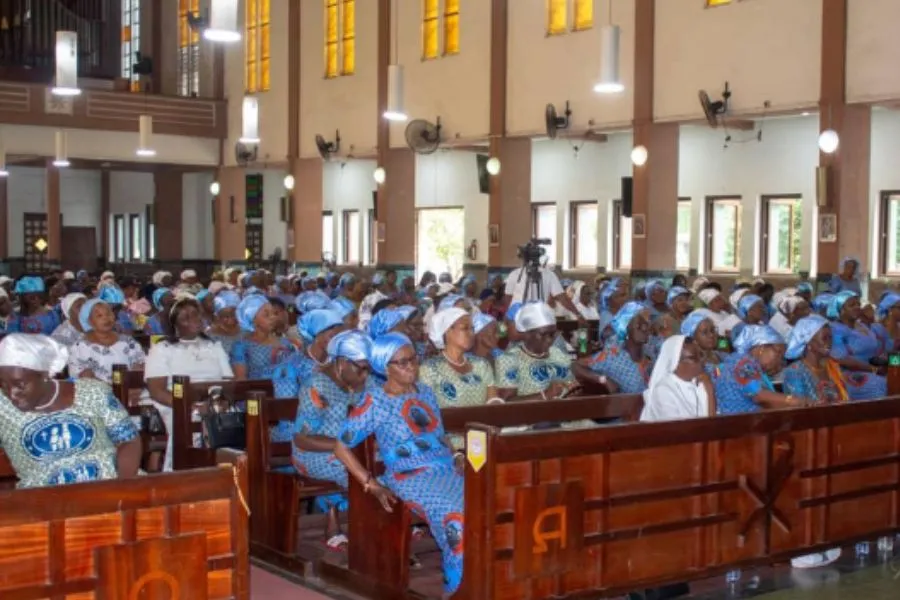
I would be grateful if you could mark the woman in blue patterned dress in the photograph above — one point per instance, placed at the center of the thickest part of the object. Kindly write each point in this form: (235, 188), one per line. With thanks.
(655, 293)
(115, 298)
(33, 315)
(420, 468)
(612, 297)
(316, 328)
(679, 302)
(887, 328)
(57, 432)
(623, 366)
(814, 374)
(345, 307)
(751, 309)
(745, 384)
(701, 327)
(225, 328)
(324, 401)
(163, 299)
(534, 368)
(487, 337)
(102, 347)
(847, 277)
(854, 346)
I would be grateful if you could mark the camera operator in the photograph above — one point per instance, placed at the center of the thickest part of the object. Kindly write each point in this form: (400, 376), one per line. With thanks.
(533, 281)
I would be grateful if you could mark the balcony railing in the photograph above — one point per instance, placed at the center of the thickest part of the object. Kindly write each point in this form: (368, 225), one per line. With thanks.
(28, 37)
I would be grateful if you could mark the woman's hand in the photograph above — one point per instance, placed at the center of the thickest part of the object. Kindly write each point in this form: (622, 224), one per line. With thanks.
(555, 389)
(459, 463)
(384, 496)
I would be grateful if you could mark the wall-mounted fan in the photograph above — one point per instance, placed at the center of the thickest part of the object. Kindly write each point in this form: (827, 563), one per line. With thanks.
(328, 149)
(554, 122)
(423, 137)
(712, 110)
(244, 153)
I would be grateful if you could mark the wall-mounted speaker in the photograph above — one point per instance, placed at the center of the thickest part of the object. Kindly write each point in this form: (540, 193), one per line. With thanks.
(627, 196)
(822, 173)
(286, 209)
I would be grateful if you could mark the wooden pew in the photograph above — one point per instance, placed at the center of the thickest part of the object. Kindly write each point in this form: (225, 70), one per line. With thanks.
(174, 535)
(7, 473)
(185, 395)
(127, 387)
(276, 488)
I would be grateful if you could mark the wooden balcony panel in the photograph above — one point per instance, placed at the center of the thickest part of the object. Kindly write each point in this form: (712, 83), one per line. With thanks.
(30, 104)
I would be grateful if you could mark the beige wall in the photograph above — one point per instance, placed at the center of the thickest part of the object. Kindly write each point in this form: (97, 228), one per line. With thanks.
(273, 111)
(345, 103)
(872, 50)
(765, 49)
(456, 87)
(554, 69)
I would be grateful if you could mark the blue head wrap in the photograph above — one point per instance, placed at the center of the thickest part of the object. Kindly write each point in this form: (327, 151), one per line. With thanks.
(247, 309)
(804, 287)
(309, 301)
(307, 279)
(466, 281)
(821, 302)
(449, 300)
(29, 285)
(837, 303)
(226, 299)
(752, 336)
(693, 320)
(889, 301)
(378, 278)
(512, 311)
(201, 295)
(352, 345)
(84, 315)
(316, 321)
(346, 279)
(343, 306)
(388, 318)
(652, 285)
(383, 350)
(624, 316)
(158, 295)
(481, 320)
(747, 302)
(674, 293)
(112, 295)
(804, 331)
(608, 291)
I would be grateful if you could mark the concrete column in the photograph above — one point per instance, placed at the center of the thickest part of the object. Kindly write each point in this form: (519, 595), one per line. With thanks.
(230, 215)
(306, 209)
(396, 229)
(54, 217)
(168, 214)
(510, 203)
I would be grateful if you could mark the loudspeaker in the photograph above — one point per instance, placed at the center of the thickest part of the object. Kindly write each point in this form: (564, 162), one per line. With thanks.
(822, 186)
(375, 205)
(627, 196)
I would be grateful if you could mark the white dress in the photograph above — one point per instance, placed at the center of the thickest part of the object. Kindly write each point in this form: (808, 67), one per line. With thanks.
(99, 359)
(200, 359)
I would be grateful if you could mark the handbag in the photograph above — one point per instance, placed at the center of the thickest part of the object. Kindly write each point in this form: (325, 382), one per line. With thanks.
(223, 424)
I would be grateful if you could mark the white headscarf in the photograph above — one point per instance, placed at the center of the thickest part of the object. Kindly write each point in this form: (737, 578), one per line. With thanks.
(107, 276)
(188, 274)
(669, 397)
(698, 284)
(735, 298)
(534, 315)
(216, 286)
(574, 292)
(159, 276)
(441, 322)
(708, 295)
(68, 301)
(33, 352)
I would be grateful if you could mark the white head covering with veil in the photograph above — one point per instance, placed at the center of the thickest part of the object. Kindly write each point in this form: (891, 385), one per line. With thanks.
(33, 352)
(669, 397)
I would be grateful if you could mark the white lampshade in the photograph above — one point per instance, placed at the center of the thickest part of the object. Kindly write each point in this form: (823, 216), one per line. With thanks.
(250, 120)
(62, 150)
(145, 133)
(66, 83)
(215, 188)
(380, 175)
(493, 165)
(289, 182)
(829, 141)
(223, 22)
(3, 171)
(394, 111)
(639, 156)
(609, 61)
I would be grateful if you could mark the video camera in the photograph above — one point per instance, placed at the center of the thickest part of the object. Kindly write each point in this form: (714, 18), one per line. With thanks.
(532, 251)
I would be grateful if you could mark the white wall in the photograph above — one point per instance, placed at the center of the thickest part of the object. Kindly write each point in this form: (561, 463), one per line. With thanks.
(449, 178)
(348, 185)
(562, 175)
(883, 175)
(197, 234)
(129, 193)
(274, 229)
(27, 192)
(783, 163)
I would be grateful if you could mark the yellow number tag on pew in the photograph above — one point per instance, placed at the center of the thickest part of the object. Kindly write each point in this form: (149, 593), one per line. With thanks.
(117, 378)
(177, 390)
(156, 338)
(476, 449)
(253, 408)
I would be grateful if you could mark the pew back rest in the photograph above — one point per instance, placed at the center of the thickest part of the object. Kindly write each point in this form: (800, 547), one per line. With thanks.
(269, 412)
(127, 387)
(124, 538)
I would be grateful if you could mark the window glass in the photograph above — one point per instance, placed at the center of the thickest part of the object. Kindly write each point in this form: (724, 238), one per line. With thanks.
(556, 17)
(585, 229)
(328, 233)
(725, 224)
(351, 237)
(782, 235)
(683, 236)
(544, 226)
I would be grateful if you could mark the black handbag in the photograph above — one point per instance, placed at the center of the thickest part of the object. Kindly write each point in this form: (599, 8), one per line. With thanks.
(223, 425)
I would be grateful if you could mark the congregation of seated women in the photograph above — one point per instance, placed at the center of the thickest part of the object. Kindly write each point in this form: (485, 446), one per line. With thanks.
(382, 356)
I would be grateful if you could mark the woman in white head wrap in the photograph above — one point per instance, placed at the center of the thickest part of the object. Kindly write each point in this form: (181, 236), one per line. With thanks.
(718, 306)
(791, 308)
(57, 432)
(102, 347)
(583, 298)
(457, 379)
(679, 387)
(70, 331)
(535, 368)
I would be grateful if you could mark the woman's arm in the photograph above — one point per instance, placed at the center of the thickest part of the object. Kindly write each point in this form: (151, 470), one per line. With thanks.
(314, 443)
(128, 458)
(585, 374)
(158, 388)
(362, 475)
(769, 399)
(240, 372)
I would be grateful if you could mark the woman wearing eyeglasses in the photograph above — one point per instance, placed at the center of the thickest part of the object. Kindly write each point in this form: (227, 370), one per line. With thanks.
(623, 366)
(420, 470)
(324, 400)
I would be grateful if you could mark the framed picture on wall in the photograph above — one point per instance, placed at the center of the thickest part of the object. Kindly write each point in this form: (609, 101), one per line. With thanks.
(494, 235)
(639, 226)
(827, 228)
(381, 232)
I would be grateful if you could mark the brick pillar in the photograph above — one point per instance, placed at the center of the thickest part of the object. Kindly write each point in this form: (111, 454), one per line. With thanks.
(168, 215)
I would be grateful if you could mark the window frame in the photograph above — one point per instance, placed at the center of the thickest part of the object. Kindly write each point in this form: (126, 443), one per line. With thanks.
(716, 3)
(370, 259)
(135, 227)
(689, 202)
(347, 66)
(577, 6)
(884, 211)
(120, 238)
(765, 202)
(188, 54)
(709, 209)
(443, 13)
(346, 217)
(535, 210)
(150, 232)
(328, 213)
(130, 42)
(574, 232)
(617, 215)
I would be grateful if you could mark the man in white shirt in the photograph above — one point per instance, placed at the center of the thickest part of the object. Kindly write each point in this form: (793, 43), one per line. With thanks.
(550, 288)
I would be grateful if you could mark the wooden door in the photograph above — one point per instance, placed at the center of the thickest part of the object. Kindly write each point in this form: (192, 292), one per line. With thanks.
(79, 248)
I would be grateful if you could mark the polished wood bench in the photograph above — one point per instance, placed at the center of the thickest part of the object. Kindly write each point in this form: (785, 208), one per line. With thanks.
(7, 473)
(127, 387)
(174, 535)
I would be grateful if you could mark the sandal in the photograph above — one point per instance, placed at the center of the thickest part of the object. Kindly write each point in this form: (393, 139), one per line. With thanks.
(337, 543)
(419, 533)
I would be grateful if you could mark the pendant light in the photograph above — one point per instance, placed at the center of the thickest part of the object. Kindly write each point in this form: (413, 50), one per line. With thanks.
(394, 110)
(3, 171)
(250, 121)
(66, 83)
(145, 133)
(223, 22)
(62, 151)
(609, 82)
